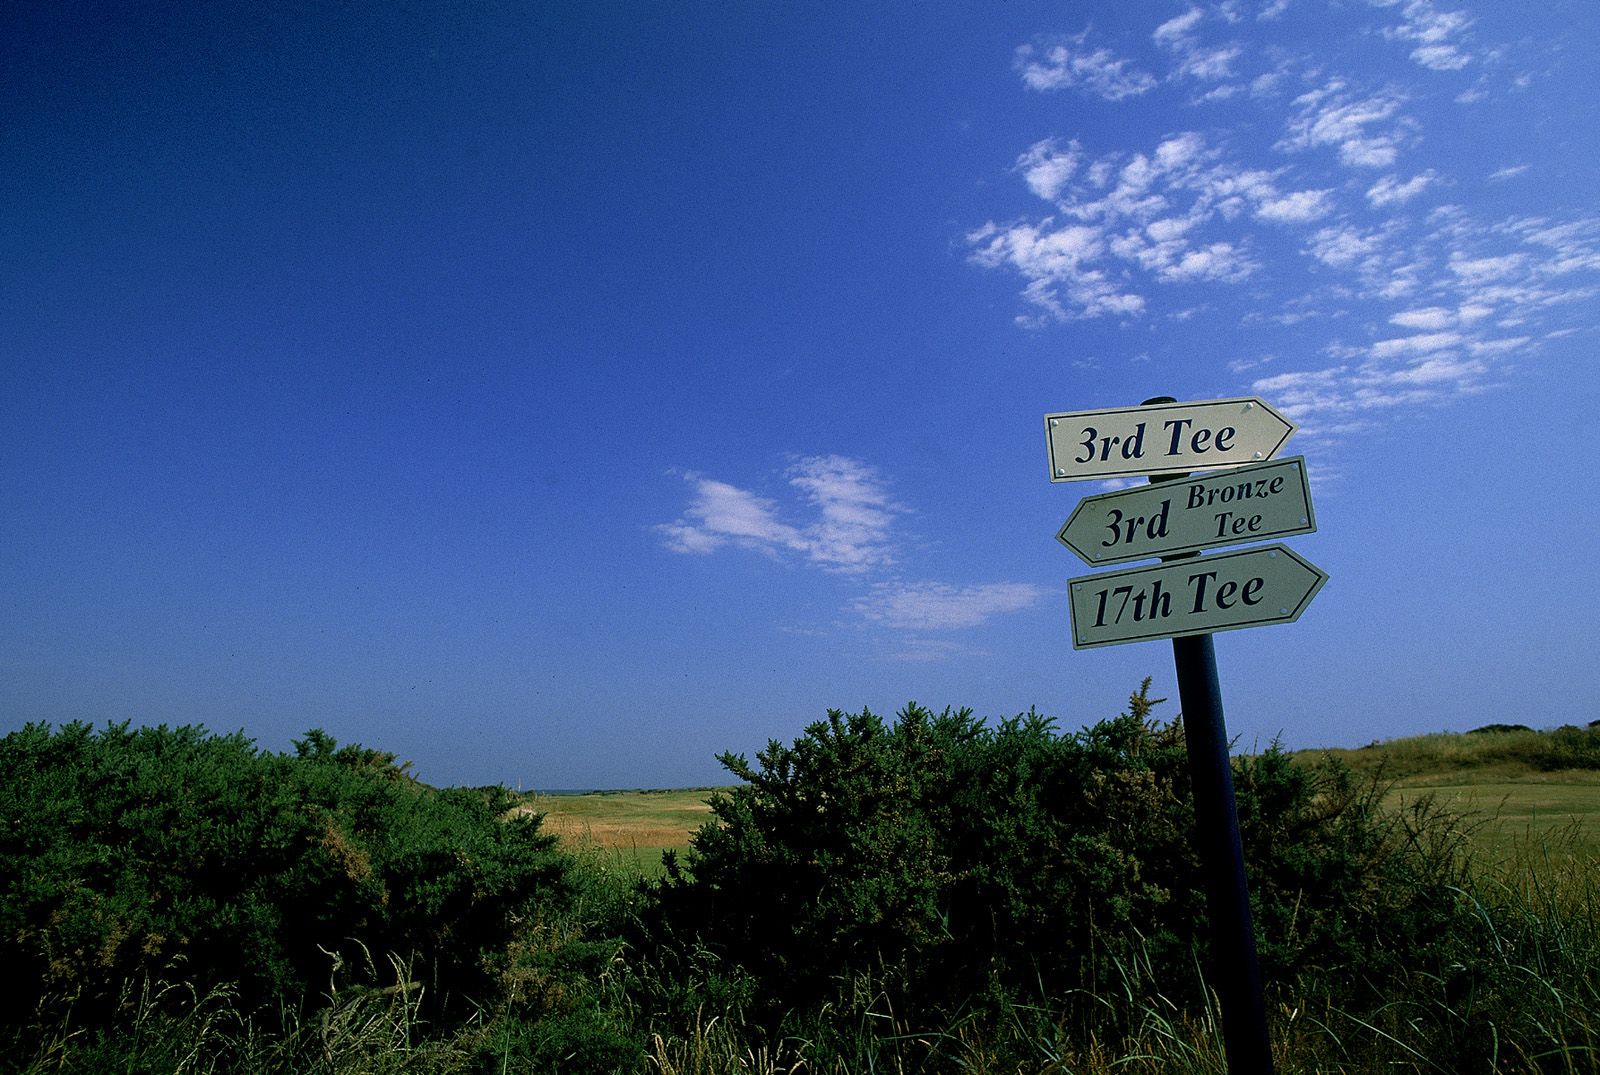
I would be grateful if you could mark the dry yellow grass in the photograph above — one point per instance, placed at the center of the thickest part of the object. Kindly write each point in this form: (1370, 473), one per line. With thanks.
(636, 824)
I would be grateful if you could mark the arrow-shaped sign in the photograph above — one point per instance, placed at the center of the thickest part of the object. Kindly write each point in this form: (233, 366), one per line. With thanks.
(1163, 438)
(1251, 503)
(1195, 596)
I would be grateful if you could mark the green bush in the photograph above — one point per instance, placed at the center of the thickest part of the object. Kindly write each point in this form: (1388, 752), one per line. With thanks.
(173, 854)
(1571, 747)
(933, 893)
(947, 859)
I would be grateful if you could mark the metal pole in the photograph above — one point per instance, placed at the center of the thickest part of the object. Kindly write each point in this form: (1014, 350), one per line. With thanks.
(1235, 968)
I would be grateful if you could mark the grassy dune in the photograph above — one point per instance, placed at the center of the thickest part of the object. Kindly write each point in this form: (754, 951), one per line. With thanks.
(1520, 792)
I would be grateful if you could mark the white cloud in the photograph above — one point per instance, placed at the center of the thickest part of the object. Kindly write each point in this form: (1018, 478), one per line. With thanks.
(1170, 229)
(1218, 261)
(1502, 346)
(1221, 93)
(1303, 392)
(1179, 152)
(721, 513)
(1447, 370)
(1481, 270)
(1267, 85)
(937, 606)
(686, 538)
(1207, 63)
(1039, 252)
(1482, 280)
(1212, 64)
(1334, 400)
(1438, 318)
(1574, 245)
(1124, 222)
(1344, 246)
(1068, 63)
(1358, 128)
(1296, 208)
(1431, 317)
(1390, 190)
(1419, 344)
(1047, 167)
(1436, 34)
(1177, 29)
(1058, 263)
(853, 531)
(1430, 307)
(849, 535)
(1441, 57)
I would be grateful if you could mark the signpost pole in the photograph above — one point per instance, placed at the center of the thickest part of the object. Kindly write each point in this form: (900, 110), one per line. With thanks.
(1235, 967)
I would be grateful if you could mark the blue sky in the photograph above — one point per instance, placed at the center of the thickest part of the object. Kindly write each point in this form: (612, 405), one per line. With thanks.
(562, 394)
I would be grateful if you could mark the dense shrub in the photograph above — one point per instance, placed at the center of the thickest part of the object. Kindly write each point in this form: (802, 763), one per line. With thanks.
(929, 894)
(946, 858)
(173, 854)
(1571, 747)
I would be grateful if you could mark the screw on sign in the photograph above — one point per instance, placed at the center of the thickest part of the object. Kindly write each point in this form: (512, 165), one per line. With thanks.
(1167, 438)
(1226, 592)
(1250, 503)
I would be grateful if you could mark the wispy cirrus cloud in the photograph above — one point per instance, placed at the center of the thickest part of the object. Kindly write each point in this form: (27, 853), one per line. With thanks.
(937, 606)
(1491, 284)
(1314, 190)
(1296, 207)
(1126, 222)
(1366, 129)
(1070, 63)
(1207, 63)
(1178, 29)
(839, 517)
(1391, 190)
(849, 533)
(1438, 35)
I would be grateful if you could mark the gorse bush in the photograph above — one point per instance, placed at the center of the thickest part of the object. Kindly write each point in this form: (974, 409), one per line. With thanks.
(933, 893)
(949, 859)
(161, 853)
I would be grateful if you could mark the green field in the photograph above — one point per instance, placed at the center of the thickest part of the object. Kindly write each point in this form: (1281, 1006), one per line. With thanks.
(631, 827)
(1510, 819)
(1522, 795)
(1512, 805)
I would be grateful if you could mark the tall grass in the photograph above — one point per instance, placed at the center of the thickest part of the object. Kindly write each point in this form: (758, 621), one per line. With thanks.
(165, 1028)
(1518, 750)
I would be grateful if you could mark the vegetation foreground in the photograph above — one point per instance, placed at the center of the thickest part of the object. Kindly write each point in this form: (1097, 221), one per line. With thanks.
(929, 894)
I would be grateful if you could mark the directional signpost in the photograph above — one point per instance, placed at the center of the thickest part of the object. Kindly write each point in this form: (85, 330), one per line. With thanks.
(1253, 503)
(1196, 596)
(1163, 438)
(1187, 597)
